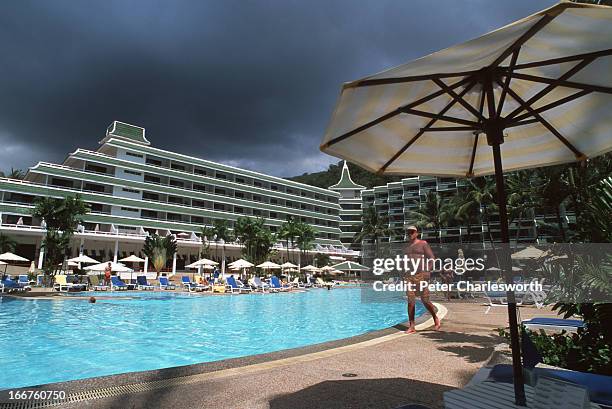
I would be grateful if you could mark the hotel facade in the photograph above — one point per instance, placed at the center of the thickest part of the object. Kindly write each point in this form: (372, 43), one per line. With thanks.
(135, 190)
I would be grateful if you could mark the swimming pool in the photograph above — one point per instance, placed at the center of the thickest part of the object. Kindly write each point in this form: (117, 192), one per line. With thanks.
(45, 341)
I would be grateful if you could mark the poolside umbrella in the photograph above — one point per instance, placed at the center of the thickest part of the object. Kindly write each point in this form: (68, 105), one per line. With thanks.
(267, 265)
(83, 259)
(8, 256)
(326, 269)
(529, 253)
(540, 87)
(350, 266)
(116, 267)
(132, 259)
(311, 268)
(240, 263)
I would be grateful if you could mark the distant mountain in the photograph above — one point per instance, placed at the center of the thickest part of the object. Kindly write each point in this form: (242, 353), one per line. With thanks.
(331, 176)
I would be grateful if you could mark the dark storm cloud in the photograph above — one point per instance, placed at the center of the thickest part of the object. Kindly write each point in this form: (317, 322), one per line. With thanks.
(249, 83)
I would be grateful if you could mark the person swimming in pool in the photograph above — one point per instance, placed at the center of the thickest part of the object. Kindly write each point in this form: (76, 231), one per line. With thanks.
(419, 249)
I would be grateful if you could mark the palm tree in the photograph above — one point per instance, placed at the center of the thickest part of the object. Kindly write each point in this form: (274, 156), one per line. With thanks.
(433, 213)
(16, 174)
(554, 192)
(222, 233)
(373, 227)
(7, 244)
(322, 259)
(206, 235)
(159, 249)
(305, 237)
(288, 232)
(467, 212)
(62, 217)
(481, 191)
(256, 238)
(522, 188)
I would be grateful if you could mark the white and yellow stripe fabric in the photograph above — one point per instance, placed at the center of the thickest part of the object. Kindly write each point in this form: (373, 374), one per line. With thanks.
(585, 122)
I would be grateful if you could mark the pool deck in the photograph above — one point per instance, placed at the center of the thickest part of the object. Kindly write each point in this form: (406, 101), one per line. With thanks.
(385, 369)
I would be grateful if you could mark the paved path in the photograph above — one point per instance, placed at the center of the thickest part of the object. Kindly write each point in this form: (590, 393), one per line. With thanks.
(395, 370)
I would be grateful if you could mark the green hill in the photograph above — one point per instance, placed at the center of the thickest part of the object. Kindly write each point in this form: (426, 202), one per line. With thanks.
(331, 176)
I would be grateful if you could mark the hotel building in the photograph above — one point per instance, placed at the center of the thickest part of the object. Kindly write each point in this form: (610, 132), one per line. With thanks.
(350, 212)
(396, 200)
(135, 190)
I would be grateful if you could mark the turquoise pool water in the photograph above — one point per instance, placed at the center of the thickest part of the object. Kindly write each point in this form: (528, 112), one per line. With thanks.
(46, 341)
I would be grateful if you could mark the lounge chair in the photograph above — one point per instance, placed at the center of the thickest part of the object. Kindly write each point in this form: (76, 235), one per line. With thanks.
(117, 284)
(233, 287)
(500, 299)
(192, 286)
(24, 282)
(553, 324)
(63, 285)
(257, 284)
(296, 283)
(94, 284)
(308, 282)
(276, 284)
(320, 283)
(8, 285)
(165, 284)
(142, 283)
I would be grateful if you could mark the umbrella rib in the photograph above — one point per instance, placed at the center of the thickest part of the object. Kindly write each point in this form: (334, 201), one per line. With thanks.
(550, 87)
(422, 130)
(439, 117)
(502, 98)
(547, 18)
(457, 98)
(579, 155)
(568, 84)
(399, 80)
(391, 114)
(555, 61)
(450, 128)
(553, 104)
(470, 171)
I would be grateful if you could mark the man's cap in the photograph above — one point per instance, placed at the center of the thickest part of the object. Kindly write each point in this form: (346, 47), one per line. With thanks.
(412, 228)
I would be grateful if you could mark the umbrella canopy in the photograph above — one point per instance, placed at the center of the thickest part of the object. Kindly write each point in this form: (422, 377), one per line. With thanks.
(310, 268)
(8, 256)
(538, 92)
(2, 262)
(529, 253)
(83, 259)
(269, 265)
(132, 259)
(202, 262)
(350, 266)
(117, 267)
(288, 265)
(540, 85)
(327, 268)
(69, 264)
(240, 263)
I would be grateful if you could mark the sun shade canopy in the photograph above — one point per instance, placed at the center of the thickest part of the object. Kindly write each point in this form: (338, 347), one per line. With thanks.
(545, 79)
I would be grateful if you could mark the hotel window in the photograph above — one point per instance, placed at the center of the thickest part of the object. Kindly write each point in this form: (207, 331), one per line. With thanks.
(197, 219)
(152, 179)
(125, 189)
(174, 199)
(256, 212)
(95, 168)
(131, 172)
(221, 176)
(177, 166)
(290, 191)
(154, 162)
(257, 184)
(273, 215)
(150, 196)
(129, 209)
(256, 198)
(274, 201)
(176, 183)
(200, 188)
(239, 195)
(198, 203)
(273, 187)
(136, 155)
(219, 206)
(220, 192)
(238, 210)
(199, 172)
(239, 180)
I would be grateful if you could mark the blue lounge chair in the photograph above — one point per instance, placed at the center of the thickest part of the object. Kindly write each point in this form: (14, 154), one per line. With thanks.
(233, 287)
(142, 283)
(8, 285)
(276, 284)
(553, 323)
(117, 284)
(257, 284)
(191, 286)
(165, 284)
(24, 282)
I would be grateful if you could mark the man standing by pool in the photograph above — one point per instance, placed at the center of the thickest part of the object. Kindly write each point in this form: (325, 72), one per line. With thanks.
(419, 251)
(107, 273)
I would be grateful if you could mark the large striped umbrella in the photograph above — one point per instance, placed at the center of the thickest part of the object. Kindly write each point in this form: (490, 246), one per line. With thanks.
(536, 92)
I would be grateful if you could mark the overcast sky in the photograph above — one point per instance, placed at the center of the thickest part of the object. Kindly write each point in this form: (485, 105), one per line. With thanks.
(248, 83)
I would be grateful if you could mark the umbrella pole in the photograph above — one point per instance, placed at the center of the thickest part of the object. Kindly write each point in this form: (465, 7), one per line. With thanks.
(517, 368)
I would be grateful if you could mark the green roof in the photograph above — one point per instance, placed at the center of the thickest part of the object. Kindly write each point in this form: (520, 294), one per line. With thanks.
(345, 180)
(126, 131)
